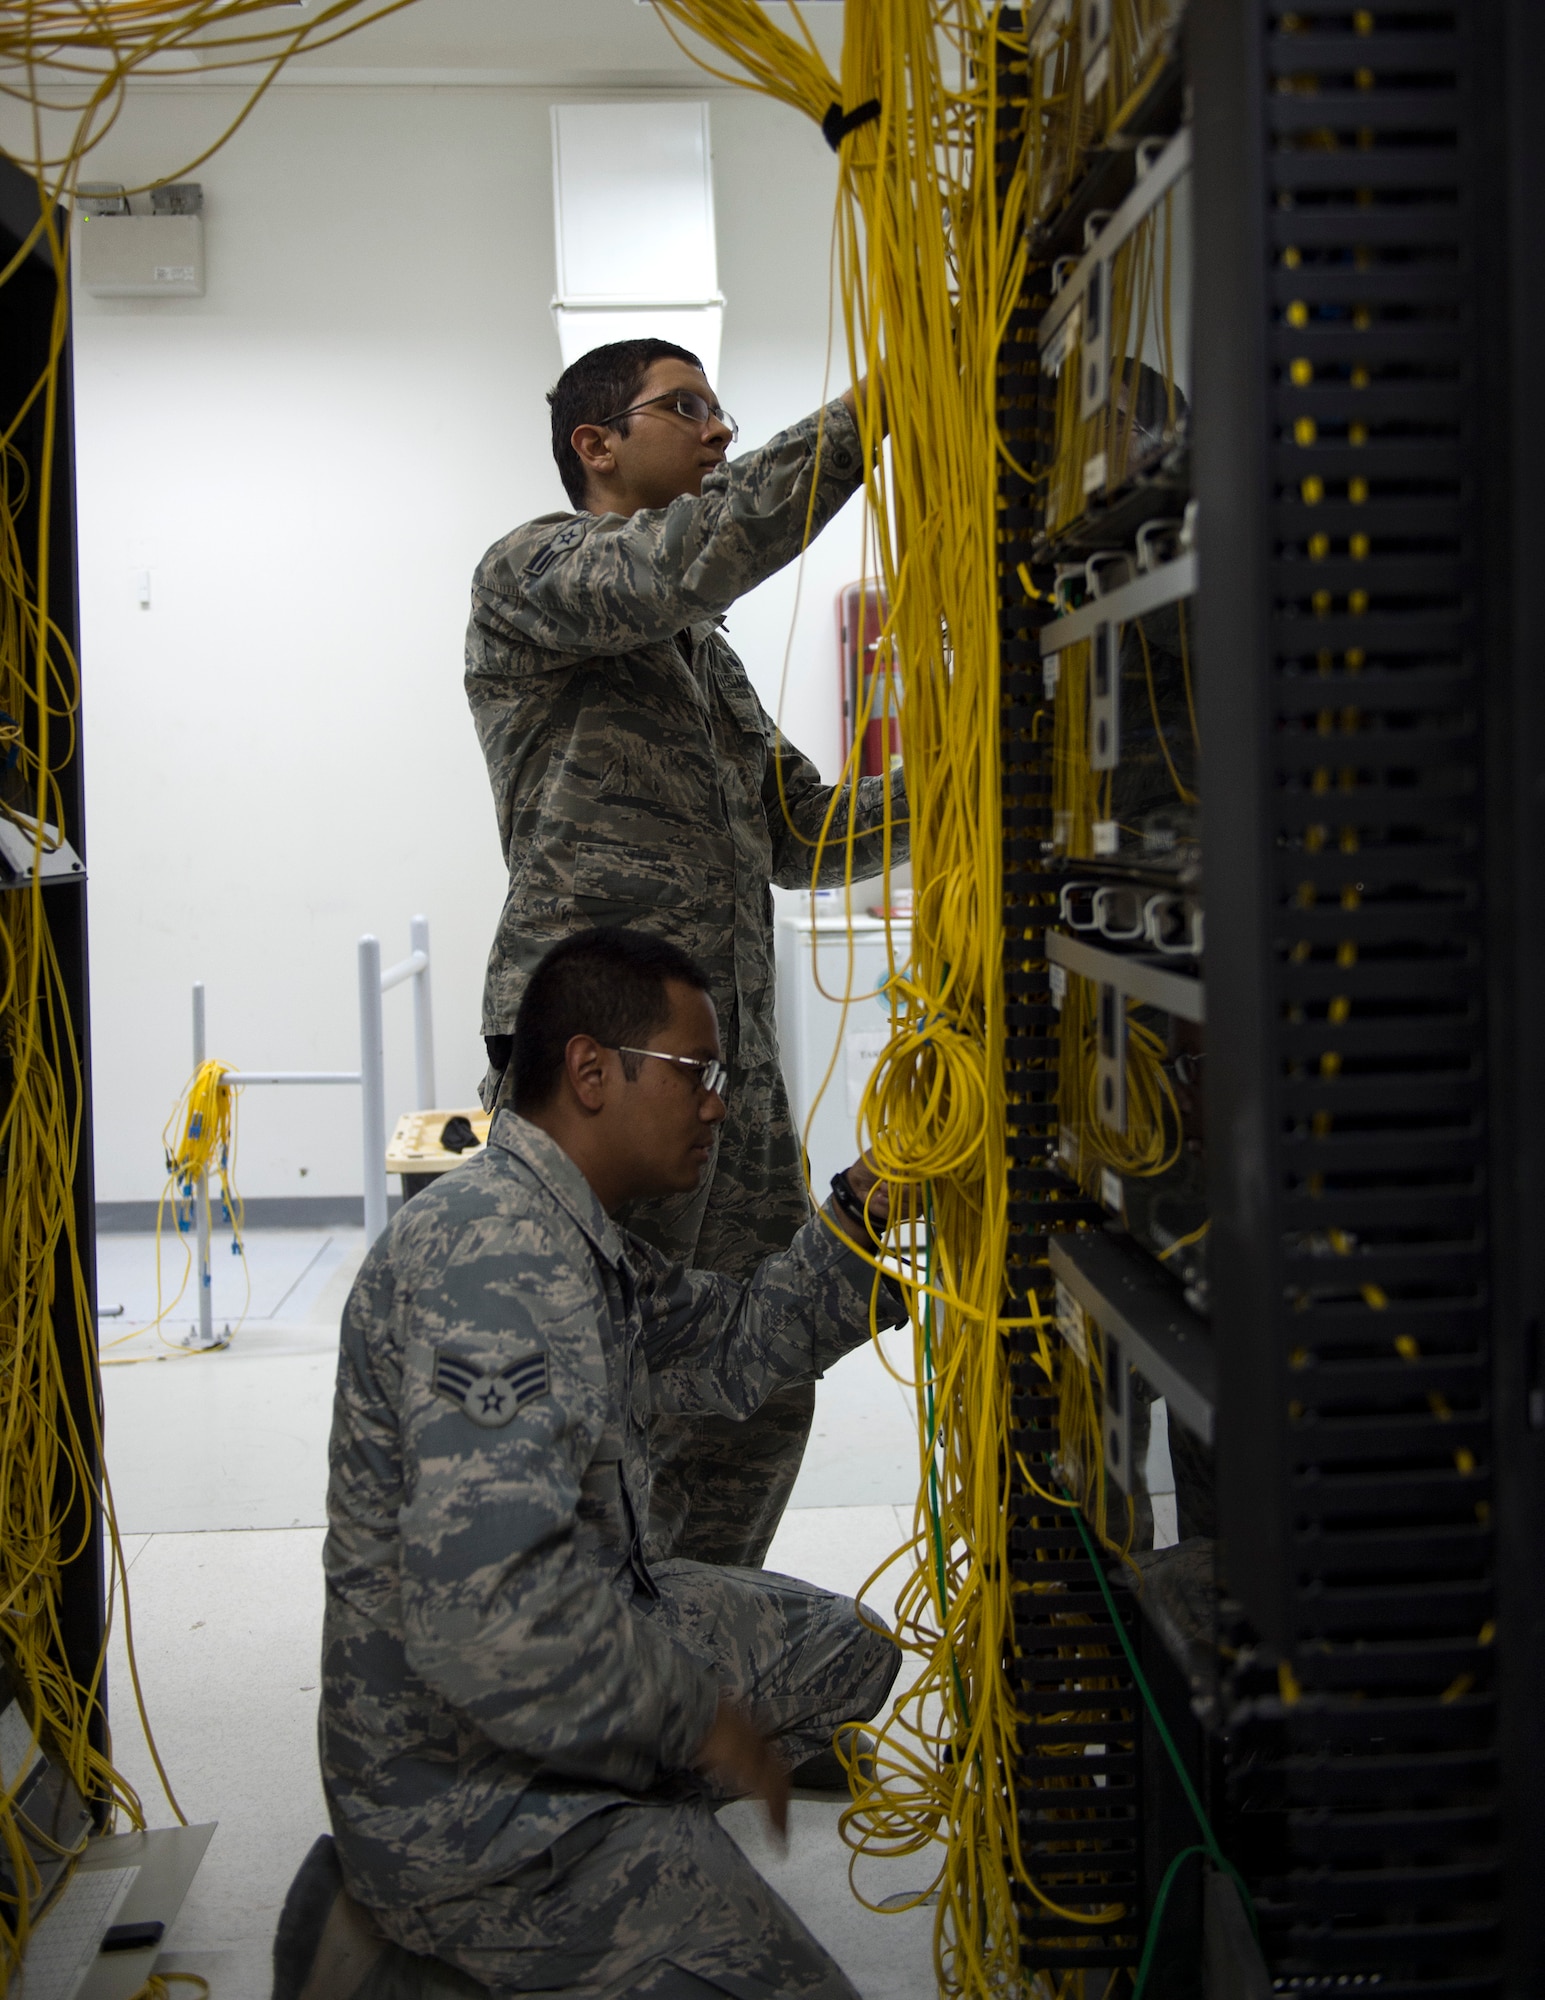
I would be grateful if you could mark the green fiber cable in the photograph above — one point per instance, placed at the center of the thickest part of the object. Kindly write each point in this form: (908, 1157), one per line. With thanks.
(1155, 1922)
(1210, 1846)
(933, 1470)
(933, 1475)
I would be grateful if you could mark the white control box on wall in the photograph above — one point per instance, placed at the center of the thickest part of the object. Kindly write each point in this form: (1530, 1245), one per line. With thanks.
(140, 256)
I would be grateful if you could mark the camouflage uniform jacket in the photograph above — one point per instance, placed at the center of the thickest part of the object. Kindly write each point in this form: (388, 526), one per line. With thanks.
(632, 765)
(491, 1674)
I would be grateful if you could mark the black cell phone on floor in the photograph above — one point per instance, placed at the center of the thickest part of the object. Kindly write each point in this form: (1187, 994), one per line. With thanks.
(133, 1937)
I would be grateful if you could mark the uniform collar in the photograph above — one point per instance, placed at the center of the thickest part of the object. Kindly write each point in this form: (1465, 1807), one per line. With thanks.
(552, 1166)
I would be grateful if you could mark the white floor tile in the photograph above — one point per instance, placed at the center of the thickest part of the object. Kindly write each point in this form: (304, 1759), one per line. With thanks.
(227, 1630)
(226, 1440)
(863, 1445)
(292, 1274)
(839, 1548)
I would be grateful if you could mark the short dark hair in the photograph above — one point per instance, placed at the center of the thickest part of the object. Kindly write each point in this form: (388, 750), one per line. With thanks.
(607, 983)
(595, 387)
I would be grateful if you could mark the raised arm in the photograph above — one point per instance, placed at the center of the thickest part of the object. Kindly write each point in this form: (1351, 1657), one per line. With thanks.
(717, 1344)
(797, 802)
(605, 583)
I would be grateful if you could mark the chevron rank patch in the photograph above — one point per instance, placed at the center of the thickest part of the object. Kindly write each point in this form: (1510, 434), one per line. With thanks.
(565, 539)
(490, 1400)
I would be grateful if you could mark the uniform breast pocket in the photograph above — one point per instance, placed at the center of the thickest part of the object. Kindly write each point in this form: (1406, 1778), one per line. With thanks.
(666, 886)
(744, 711)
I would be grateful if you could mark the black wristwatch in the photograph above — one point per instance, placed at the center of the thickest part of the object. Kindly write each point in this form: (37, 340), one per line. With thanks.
(853, 1208)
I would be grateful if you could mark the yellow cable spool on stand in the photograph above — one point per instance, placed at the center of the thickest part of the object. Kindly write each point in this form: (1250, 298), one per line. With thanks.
(204, 1117)
(206, 1149)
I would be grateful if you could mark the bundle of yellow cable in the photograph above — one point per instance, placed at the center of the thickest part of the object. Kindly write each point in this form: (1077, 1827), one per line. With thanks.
(47, 1488)
(931, 263)
(68, 63)
(204, 1119)
(1149, 1141)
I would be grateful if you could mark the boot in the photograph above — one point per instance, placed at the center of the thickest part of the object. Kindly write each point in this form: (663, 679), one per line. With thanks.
(824, 1772)
(328, 1948)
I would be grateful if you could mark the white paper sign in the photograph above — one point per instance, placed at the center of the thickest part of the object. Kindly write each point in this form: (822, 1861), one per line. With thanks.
(862, 1048)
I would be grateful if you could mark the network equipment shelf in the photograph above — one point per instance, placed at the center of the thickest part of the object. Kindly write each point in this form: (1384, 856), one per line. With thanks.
(1346, 1649)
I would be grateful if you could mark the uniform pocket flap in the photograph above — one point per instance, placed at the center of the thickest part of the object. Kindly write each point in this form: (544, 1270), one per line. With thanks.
(605, 872)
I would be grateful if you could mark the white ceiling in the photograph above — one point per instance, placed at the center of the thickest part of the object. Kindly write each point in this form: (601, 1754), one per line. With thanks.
(600, 43)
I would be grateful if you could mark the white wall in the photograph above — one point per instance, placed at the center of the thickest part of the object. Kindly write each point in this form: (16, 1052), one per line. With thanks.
(310, 460)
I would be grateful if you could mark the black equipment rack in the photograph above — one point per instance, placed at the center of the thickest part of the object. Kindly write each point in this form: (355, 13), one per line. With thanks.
(1367, 187)
(27, 312)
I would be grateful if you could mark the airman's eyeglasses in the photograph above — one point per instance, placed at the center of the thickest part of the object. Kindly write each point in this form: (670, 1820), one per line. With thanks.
(686, 403)
(711, 1075)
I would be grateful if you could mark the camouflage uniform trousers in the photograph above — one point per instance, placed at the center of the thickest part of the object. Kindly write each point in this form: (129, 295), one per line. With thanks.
(655, 1898)
(718, 1487)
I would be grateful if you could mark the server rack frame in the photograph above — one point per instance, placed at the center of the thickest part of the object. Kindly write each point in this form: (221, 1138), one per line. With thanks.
(1396, 1828)
(1452, 1907)
(27, 304)
(1081, 1763)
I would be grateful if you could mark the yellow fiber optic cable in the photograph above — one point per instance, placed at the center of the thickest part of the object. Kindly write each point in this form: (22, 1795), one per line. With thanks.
(205, 1119)
(929, 269)
(931, 264)
(69, 65)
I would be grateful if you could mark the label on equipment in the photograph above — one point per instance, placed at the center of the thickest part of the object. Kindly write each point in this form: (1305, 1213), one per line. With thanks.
(1051, 673)
(175, 274)
(1110, 1191)
(1071, 1323)
(1057, 979)
(1106, 833)
(1067, 1144)
(1094, 472)
(1063, 339)
(19, 1752)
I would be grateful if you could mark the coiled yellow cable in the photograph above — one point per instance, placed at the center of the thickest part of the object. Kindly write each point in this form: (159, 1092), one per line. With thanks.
(931, 262)
(931, 258)
(204, 1118)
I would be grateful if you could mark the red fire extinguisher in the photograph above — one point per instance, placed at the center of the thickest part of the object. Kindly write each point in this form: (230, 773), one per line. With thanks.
(871, 681)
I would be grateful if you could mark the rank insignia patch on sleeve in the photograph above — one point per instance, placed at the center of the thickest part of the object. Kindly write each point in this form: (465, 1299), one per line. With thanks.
(490, 1400)
(565, 539)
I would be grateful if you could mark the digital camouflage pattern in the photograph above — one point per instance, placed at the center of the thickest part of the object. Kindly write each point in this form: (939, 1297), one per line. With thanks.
(663, 1905)
(636, 779)
(501, 1661)
(632, 765)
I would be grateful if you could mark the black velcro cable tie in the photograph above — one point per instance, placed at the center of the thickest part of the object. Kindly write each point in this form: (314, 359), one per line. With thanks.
(837, 123)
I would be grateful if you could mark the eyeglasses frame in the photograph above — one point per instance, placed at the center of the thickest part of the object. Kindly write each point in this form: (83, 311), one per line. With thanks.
(672, 396)
(705, 1067)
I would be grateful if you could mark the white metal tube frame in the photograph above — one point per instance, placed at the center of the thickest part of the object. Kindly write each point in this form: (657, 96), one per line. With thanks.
(370, 1076)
